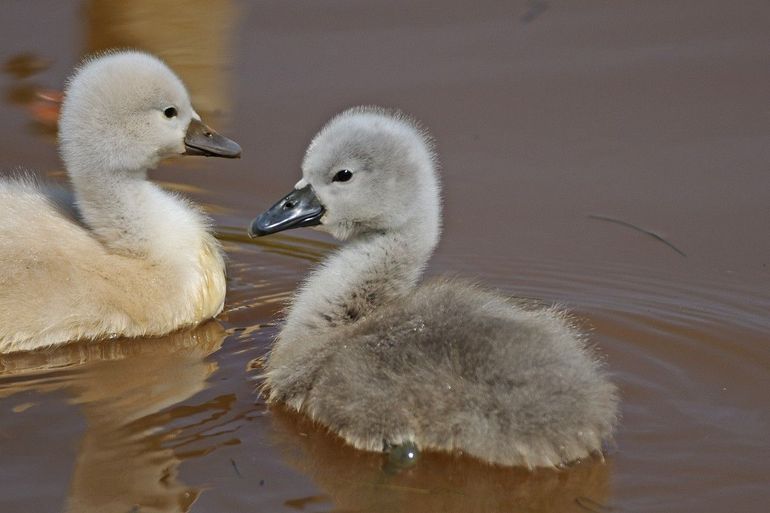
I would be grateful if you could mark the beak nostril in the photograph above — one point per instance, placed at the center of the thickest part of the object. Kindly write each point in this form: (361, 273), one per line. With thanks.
(288, 205)
(208, 134)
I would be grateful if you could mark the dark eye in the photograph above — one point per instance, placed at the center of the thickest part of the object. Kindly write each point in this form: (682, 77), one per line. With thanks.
(343, 175)
(170, 112)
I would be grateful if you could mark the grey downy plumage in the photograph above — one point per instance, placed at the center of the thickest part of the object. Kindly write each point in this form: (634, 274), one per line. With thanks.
(383, 360)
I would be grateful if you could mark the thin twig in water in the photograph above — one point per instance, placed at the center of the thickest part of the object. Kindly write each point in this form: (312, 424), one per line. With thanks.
(647, 232)
(235, 467)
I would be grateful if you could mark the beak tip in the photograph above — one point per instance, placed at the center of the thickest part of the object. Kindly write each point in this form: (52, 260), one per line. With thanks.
(256, 230)
(235, 152)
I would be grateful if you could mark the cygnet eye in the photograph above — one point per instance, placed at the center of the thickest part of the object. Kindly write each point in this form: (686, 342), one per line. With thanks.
(343, 175)
(170, 112)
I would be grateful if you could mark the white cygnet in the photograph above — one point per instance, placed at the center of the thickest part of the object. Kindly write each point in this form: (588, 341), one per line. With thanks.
(137, 261)
(382, 360)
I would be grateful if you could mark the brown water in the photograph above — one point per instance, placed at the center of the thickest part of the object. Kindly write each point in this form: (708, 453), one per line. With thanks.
(551, 117)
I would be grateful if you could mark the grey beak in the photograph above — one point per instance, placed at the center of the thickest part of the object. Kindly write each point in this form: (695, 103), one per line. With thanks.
(297, 209)
(202, 140)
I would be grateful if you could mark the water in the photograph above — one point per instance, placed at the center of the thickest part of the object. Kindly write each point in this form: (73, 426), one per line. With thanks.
(546, 115)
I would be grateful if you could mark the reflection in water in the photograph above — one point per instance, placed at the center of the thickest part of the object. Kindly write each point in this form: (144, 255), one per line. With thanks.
(41, 104)
(124, 463)
(25, 65)
(360, 481)
(192, 36)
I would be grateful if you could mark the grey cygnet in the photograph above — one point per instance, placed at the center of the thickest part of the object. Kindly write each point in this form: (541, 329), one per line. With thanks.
(381, 359)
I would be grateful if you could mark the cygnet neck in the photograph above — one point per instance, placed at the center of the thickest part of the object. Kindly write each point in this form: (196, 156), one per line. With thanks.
(130, 215)
(110, 205)
(371, 269)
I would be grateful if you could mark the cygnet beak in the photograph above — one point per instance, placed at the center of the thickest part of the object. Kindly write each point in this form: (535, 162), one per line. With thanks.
(202, 140)
(297, 209)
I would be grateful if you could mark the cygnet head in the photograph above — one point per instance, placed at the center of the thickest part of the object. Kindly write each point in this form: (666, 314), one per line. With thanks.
(125, 111)
(368, 170)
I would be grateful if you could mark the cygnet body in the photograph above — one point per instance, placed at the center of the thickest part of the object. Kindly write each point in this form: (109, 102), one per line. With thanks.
(382, 360)
(138, 261)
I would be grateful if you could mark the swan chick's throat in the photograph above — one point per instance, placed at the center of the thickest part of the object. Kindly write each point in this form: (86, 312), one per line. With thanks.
(369, 271)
